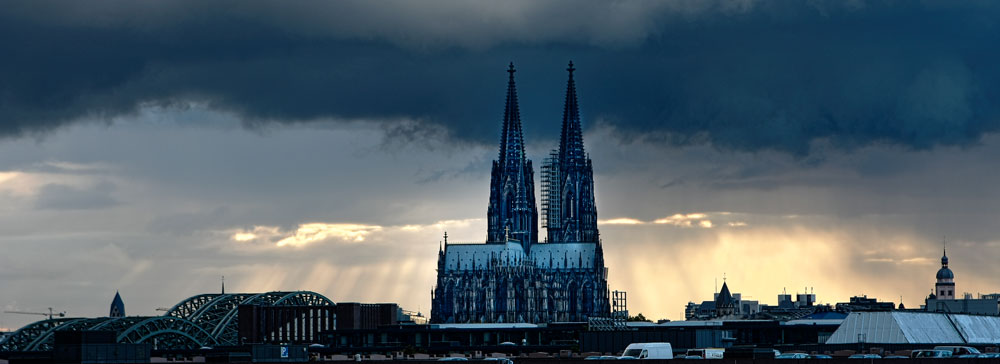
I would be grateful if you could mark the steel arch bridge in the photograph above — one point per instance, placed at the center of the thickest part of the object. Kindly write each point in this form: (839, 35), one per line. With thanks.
(202, 320)
(167, 332)
(216, 313)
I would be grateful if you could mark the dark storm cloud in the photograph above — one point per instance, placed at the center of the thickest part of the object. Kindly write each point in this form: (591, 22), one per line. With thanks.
(737, 74)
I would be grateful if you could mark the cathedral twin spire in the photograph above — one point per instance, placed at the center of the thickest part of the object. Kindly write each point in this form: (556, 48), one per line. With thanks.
(512, 214)
(521, 286)
(572, 212)
(568, 184)
(511, 138)
(571, 140)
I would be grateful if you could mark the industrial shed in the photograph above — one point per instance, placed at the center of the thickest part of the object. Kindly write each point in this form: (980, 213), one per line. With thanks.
(916, 328)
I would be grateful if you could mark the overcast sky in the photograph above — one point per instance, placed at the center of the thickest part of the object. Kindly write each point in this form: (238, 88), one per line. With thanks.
(153, 147)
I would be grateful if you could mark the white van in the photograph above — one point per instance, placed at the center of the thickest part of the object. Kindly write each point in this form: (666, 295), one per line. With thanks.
(707, 353)
(648, 351)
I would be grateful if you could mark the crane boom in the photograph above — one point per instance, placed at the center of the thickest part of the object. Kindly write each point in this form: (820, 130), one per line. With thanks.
(50, 314)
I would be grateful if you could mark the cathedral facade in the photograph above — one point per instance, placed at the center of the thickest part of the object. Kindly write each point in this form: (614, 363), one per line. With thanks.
(514, 276)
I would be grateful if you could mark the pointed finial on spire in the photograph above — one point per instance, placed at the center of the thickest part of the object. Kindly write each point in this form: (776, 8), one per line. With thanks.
(445, 238)
(571, 137)
(511, 139)
(223, 284)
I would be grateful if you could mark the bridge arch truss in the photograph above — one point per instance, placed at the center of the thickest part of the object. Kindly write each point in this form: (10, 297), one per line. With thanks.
(201, 320)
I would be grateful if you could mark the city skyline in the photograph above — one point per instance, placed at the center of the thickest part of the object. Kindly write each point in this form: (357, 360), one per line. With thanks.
(146, 151)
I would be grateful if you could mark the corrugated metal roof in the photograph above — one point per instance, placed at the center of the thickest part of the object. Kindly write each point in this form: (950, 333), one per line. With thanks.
(916, 328)
(978, 329)
(874, 327)
(927, 328)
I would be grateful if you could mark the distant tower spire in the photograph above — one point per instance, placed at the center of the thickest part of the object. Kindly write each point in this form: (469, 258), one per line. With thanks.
(512, 187)
(223, 284)
(574, 207)
(944, 253)
(511, 138)
(117, 306)
(571, 143)
(944, 288)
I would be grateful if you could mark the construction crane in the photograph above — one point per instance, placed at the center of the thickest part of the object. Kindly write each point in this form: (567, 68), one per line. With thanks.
(51, 313)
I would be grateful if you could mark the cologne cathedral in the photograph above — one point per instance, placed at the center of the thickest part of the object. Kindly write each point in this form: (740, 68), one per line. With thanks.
(514, 276)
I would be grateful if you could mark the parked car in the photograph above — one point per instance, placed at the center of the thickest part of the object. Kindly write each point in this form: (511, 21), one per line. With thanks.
(793, 356)
(500, 360)
(865, 356)
(959, 350)
(894, 357)
(648, 351)
(453, 359)
(601, 357)
(707, 353)
(930, 353)
(820, 356)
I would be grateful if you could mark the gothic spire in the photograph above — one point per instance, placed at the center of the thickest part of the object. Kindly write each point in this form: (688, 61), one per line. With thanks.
(512, 193)
(574, 219)
(511, 138)
(571, 141)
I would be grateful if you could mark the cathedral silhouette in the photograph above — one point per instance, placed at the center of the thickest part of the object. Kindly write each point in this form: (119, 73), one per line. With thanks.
(515, 277)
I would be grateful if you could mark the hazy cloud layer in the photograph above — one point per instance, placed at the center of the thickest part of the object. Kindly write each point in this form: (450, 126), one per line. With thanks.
(56, 196)
(355, 215)
(745, 75)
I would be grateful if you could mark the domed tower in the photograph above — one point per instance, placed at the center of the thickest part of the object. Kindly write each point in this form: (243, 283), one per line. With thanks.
(944, 289)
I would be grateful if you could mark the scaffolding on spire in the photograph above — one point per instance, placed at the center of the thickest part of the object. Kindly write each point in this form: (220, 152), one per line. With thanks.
(571, 211)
